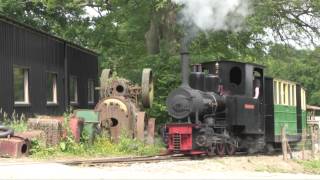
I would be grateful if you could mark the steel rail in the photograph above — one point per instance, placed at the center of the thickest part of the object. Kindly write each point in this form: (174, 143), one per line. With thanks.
(126, 160)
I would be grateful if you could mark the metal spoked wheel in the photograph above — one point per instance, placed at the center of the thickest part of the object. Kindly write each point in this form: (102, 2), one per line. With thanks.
(147, 88)
(220, 149)
(104, 79)
(230, 149)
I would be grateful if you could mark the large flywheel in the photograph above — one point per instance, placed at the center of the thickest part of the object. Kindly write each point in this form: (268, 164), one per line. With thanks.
(147, 88)
(104, 81)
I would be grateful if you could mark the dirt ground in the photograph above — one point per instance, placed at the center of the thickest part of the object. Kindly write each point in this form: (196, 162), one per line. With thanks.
(253, 163)
(237, 167)
(270, 163)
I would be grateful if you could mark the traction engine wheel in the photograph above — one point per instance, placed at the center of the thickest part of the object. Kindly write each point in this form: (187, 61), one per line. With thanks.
(220, 149)
(230, 149)
(147, 88)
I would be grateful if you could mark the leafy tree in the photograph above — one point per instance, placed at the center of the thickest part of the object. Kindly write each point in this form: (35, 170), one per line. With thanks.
(131, 35)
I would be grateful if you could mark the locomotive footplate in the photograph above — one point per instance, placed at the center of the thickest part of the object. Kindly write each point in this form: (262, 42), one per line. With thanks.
(194, 139)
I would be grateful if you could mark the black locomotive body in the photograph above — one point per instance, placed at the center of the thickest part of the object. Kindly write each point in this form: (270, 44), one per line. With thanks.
(218, 108)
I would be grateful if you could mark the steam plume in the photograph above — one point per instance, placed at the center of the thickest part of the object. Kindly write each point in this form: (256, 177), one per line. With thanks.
(212, 15)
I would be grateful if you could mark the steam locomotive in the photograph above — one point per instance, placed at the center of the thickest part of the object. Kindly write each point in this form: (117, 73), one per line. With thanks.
(225, 106)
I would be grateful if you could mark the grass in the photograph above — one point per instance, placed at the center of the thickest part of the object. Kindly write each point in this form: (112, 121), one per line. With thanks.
(18, 126)
(311, 166)
(270, 169)
(14, 121)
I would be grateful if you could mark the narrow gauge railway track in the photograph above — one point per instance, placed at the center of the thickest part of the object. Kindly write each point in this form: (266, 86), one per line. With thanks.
(144, 159)
(131, 160)
(127, 160)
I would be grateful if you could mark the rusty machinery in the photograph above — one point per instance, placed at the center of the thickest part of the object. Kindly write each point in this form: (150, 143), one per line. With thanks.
(12, 145)
(121, 104)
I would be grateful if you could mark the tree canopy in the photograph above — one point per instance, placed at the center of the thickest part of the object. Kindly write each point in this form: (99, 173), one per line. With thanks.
(130, 35)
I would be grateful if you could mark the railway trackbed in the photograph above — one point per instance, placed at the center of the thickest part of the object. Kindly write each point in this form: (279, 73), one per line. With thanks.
(127, 160)
(141, 159)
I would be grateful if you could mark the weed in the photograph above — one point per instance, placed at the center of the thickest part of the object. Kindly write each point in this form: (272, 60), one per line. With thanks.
(312, 166)
(17, 122)
(270, 169)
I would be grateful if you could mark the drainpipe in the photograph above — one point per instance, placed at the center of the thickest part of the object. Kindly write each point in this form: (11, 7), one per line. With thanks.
(66, 79)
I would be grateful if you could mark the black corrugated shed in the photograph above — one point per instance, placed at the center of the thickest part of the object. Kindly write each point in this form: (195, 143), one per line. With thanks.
(40, 53)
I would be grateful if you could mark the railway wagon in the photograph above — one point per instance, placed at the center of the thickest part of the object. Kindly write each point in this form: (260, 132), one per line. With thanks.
(286, 108)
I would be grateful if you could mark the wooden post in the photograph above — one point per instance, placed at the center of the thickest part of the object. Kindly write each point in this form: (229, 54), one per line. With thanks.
(304, 134)
(150, 130)
(312, 142)
(289, 149)
(284, 143)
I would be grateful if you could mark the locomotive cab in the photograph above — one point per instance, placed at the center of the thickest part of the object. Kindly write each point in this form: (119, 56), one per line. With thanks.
(237, 78)
(243, 86)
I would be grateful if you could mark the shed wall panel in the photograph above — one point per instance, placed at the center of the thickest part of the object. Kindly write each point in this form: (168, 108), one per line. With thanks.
(40, 54)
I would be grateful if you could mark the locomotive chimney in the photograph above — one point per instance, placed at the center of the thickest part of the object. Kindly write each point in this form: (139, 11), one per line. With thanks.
(184, 64)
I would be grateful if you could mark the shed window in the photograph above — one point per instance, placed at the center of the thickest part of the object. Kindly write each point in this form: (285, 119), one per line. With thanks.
(52, 97)
(73, 90)
(90, 91)
(235, 75)
(21, 85)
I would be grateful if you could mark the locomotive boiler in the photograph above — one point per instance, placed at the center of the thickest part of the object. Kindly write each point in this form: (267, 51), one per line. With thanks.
(193, 101)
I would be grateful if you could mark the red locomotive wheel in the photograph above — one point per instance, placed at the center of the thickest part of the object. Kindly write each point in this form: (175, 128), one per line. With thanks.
(220, 149)
(230, 149)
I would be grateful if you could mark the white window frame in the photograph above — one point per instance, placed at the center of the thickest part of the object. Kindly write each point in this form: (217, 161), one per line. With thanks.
(295, 95)
(274, 89)
(76, 99)
(54, 89)
(303, 99)
(279, 93)
(90, 88)
(289, 95)
(286, 94)
(26, 87)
